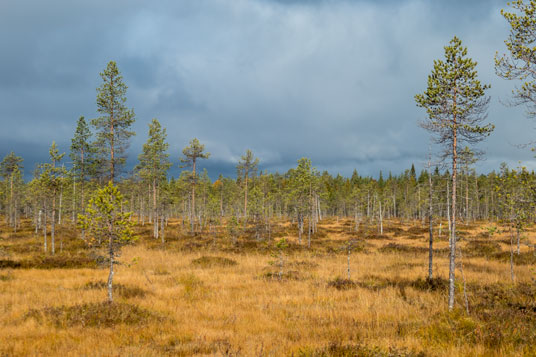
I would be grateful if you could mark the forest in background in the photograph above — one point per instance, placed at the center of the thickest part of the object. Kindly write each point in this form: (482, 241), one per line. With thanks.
(80, 210)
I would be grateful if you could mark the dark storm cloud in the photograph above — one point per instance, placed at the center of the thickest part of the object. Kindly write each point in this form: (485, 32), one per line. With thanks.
(332, 80)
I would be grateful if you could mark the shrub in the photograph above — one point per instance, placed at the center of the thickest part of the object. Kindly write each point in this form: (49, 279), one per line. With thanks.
(482, 248)
(342, 284)
(211, 261)
(9, 264)
(102, 314)
(124, 291)
(356, 350)
(287, 275)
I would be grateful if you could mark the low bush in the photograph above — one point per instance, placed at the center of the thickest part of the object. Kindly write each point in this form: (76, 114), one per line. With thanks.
(342, 284)
(482, 248)
(356, 350)
(286, 275)
(213, 261)
(124, 291)
(102, 314)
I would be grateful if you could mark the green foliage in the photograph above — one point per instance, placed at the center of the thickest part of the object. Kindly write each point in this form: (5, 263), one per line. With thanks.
(281, 244)
(455, 100)
(520, 62)
(10, 164)
(491, 230)
(82, 151)
(194, 151)
(154, 162)
(247, 166)
(516, 195)
(52, 174)
(113, 126)
(104, 221)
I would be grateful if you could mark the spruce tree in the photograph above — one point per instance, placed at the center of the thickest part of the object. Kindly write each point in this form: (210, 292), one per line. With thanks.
(113, 126)
(456, 104)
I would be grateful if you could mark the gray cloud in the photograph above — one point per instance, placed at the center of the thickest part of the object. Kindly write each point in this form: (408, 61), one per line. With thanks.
(331, 80)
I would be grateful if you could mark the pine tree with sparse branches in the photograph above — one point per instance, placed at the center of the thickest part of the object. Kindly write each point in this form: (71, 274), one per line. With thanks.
(154, 164)
(456, 104)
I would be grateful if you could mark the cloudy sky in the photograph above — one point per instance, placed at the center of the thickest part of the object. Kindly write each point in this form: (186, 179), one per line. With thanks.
(331, 80)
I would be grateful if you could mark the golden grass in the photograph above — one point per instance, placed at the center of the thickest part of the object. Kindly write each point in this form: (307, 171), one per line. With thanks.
(226, 309)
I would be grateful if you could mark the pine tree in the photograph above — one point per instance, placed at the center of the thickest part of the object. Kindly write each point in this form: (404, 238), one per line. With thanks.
(51, 177)
(520, 63)
(247, 166)
(191, 154)
(456, 104)
(106, 223)
(154, 164)
(9, 167)
(81, 155)
(114, 124)
(301, 181)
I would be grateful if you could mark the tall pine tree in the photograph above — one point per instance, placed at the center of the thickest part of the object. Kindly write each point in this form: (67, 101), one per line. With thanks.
(192, 153)
(113, 126)
(456, 104)
(154, 164)
(81, 155)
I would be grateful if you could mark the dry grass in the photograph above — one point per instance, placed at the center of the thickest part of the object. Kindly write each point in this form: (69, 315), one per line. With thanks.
(203, 295)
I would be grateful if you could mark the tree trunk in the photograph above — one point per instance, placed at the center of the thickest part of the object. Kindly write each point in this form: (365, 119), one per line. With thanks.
(45, 228)
(431, 229)
(246, 199)
(73, 216)
(192, 213)
(11, 210)
(53, 223)
(452, 258)
(448, 207)
(162, 229)
(111, 274)
(381, 217)
(61, 205)
(518, 238)
(112, 137)
(512, 276)
(348, 268)
(155, 213)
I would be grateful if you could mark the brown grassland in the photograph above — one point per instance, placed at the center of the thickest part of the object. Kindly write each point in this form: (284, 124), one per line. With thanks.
(204, 295)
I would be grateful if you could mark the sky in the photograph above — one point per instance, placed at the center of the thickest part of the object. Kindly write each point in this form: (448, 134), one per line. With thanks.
(331, 80)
